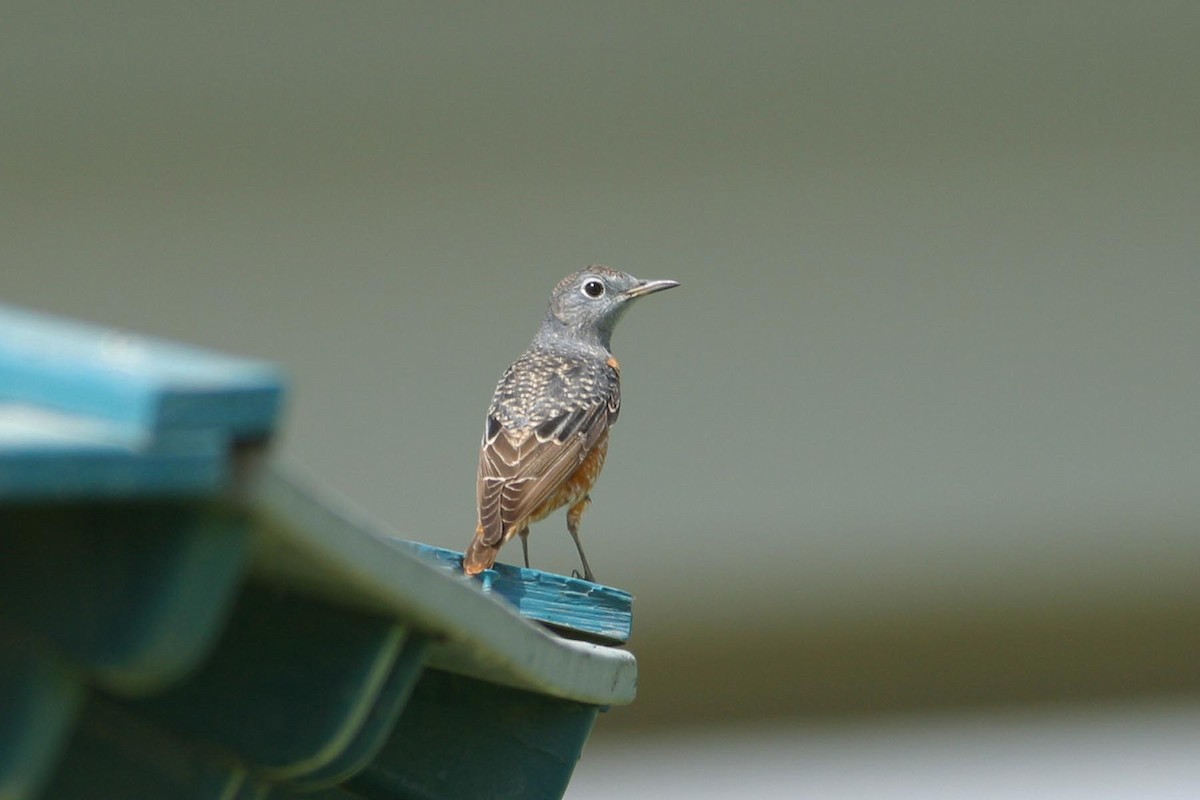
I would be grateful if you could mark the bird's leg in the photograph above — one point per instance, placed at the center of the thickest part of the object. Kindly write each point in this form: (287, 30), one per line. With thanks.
(574, 514)
(524, 534)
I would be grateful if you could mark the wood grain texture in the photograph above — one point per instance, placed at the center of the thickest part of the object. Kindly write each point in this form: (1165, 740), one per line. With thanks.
(572, 606)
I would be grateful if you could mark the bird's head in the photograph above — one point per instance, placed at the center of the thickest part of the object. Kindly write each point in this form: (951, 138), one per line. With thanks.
(587, 304)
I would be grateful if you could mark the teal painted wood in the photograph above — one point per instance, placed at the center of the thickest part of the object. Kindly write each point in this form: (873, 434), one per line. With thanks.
(292, 685)
(574, 607)
(345, 655)
(47, 455)
(317, 543)
(90, 412)
(382, 718)
(118, 755)
(462, 739)
(315, 672)
(133, 593)
(135, 381)
(38, 706)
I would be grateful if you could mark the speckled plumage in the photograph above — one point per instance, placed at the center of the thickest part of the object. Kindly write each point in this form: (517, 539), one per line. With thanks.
(546, 434)
(543, 384)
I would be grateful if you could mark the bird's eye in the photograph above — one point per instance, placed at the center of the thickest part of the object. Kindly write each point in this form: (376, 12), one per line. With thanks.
(593, 288)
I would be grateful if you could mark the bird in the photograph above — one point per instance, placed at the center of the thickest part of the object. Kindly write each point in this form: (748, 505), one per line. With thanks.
(546, 433)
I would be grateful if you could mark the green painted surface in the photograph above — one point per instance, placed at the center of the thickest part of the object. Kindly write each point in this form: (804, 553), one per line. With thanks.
(200, 683)
(38, 705)
(371, 736)
(463, 739)
(228, 635)
(290, 685)
(133, 592)
(119, 755)
(317, 544)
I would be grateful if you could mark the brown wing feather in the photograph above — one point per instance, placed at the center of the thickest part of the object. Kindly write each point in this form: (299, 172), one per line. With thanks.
(519, 470)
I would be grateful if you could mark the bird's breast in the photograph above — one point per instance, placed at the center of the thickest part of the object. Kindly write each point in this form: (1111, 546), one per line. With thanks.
(578, 483)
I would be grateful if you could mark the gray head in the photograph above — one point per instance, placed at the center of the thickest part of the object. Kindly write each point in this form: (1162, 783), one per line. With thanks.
(586, 304)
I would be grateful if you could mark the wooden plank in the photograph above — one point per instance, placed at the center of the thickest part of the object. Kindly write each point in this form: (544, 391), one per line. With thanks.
(572, 606)
(313, 544)
(120, 572)
(48, 454)
(135, 381)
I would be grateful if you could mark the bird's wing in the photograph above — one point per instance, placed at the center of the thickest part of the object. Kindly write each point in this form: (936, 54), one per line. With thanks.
(519, 470)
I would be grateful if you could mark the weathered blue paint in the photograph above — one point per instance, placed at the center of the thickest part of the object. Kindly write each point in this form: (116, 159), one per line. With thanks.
(573, 606)
(46, 455)
(138, 382)
(174, 623)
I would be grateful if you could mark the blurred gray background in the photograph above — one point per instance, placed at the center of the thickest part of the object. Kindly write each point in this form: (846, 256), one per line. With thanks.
(918, 435)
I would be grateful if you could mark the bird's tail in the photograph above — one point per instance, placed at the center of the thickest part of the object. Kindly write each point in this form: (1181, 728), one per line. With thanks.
(479, 556)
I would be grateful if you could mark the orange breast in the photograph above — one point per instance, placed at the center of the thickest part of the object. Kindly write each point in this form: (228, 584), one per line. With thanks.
(578, 484)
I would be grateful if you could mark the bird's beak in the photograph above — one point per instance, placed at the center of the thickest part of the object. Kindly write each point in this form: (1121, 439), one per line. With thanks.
(649, 287)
